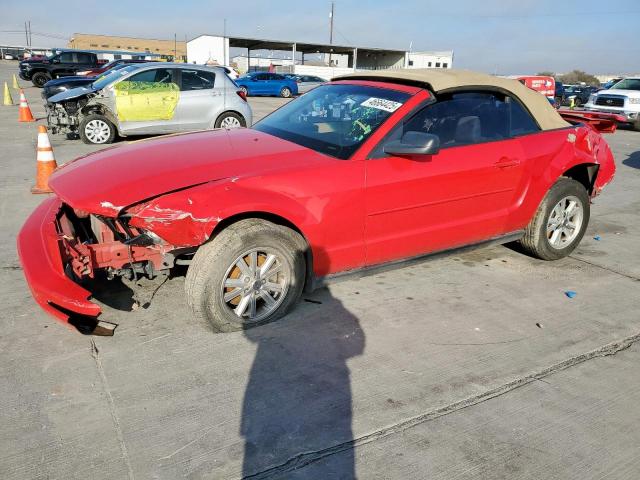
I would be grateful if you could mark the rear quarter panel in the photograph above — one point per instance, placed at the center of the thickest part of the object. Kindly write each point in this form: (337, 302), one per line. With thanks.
(548, 155)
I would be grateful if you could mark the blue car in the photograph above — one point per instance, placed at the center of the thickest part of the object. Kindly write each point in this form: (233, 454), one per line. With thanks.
(262, 83)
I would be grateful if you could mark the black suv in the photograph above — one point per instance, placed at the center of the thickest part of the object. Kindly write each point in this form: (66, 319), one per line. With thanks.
(62, 64)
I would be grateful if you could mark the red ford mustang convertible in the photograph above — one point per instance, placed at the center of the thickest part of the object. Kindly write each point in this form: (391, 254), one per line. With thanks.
(368, 169)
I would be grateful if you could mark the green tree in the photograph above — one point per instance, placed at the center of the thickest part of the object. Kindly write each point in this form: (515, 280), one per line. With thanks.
(578, 76)
(546, 73)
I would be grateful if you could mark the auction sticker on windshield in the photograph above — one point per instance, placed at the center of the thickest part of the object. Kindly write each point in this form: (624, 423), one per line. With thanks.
(381, 104)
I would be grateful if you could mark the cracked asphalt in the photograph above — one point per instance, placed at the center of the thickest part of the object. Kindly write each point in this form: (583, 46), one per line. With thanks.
(474, 365)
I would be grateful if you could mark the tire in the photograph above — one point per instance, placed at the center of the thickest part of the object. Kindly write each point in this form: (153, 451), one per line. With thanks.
(285, 92)
(230, 120)
(541, 239)
(40, 78)
(245, 90)
(95, 129)
(217, 262)
(577, 102)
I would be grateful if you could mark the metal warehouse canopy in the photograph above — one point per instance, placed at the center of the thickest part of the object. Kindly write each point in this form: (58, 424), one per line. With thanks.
(304, 47)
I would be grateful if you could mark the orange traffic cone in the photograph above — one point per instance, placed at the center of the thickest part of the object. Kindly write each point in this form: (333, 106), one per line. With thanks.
(45, 161)
(24, 113)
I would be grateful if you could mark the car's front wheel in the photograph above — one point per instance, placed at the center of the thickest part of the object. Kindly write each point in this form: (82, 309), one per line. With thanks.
(230, 120)
(244, 90)
(285, 92)
(560, 222)
(96, 129)
(40, 78)
(251, 273)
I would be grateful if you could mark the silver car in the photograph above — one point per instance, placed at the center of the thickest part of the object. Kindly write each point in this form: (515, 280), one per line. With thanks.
(307, 82)
(150, 98)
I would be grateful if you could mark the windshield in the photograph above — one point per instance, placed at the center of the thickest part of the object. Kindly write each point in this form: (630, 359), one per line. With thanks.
(628, 84)
(333, 119)
(112, 75)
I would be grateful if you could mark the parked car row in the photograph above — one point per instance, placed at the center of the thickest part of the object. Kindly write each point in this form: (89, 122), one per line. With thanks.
(576, 95)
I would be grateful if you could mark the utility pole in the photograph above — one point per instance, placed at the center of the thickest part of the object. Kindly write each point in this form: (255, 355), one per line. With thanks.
(224, 42)
(331, 29)
(30, 39)
(26, 33)
(175, 47)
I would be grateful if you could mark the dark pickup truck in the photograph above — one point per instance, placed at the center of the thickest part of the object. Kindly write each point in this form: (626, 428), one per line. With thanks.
(63, 64)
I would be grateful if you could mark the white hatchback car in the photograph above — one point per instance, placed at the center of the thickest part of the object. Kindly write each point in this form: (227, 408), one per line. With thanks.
(150, 98)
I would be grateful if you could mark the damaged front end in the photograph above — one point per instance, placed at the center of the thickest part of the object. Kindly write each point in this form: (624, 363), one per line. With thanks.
(92, 243)
(64, 116)
(61, 249)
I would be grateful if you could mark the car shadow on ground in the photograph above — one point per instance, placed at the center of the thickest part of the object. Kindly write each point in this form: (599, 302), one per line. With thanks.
(632, 160)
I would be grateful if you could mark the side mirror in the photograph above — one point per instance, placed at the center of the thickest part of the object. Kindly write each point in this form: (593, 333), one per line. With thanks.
(414, 143)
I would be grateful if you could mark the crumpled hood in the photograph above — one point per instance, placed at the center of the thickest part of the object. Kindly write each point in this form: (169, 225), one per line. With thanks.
(72, 93)
(105, 182)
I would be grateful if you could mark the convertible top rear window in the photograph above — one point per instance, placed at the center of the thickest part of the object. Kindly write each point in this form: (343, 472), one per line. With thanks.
(333, 119)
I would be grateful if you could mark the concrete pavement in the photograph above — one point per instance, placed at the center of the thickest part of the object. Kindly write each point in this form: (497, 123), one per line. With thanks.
(469, 366)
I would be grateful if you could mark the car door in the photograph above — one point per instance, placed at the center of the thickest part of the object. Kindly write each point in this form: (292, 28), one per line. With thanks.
(459, 196)
(84, 61)
(65, 64)
(146, 102)
(200, 99)
(257, 84)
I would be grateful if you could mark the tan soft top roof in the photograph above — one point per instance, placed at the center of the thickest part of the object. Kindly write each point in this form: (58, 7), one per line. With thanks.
(446, 79)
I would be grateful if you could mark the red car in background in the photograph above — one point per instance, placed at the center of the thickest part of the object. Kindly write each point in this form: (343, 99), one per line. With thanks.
(108, 66)
(371, 168)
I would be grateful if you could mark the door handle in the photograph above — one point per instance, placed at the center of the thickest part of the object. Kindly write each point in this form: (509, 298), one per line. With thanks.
(507, 162)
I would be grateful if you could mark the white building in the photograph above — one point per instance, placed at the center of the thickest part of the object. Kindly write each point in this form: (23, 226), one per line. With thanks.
(208, 49)
(241, 62)
(430, 59)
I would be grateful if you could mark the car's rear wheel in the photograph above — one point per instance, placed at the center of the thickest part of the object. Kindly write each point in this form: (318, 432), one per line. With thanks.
(230, 120)
(40, 78)
(96, 129)
(285, 92)
(560, 222)
(250, 274)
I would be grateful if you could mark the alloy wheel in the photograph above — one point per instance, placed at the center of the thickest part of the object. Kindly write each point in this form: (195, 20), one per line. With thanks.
(255, 284)
(565, 222)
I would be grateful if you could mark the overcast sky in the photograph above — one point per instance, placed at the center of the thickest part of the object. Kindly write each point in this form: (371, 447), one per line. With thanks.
(503, 36)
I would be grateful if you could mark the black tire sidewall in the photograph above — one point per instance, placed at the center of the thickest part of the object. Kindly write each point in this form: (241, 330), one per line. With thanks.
(96, 116)
(219, 315)
(38, 75)
(563, 188)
